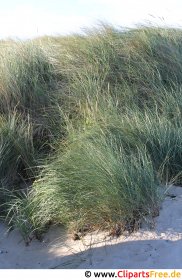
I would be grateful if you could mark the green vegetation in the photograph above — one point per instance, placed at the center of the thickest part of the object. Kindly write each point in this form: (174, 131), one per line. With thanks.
(91, 127)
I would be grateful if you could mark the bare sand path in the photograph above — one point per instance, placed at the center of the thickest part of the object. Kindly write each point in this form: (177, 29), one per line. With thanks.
(157, 248)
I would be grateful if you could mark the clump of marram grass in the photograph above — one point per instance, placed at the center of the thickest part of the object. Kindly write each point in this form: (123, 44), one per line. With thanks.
(94, 182)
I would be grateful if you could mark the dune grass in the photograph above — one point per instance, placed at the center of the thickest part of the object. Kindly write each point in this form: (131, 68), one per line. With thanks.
(94, 182)
(94, 122)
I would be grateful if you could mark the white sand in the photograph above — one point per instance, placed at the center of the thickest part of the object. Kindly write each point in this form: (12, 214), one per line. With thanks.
(157, 248)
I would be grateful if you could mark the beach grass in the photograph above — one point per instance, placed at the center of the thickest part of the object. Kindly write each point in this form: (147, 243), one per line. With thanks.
(93, 123)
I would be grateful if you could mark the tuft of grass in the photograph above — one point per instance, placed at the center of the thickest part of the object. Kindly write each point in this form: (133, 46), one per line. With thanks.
(95, 182)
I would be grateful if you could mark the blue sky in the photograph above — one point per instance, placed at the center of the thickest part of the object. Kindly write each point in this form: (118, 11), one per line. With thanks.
(31, 18)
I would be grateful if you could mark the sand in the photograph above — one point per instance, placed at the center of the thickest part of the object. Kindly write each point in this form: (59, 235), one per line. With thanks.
(160, 247)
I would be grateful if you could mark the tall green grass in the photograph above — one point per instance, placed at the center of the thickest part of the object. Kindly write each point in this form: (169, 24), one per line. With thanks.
(96, 125)
(94, 182)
